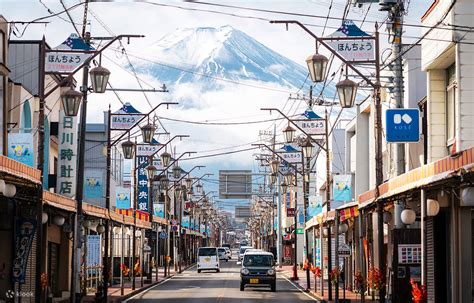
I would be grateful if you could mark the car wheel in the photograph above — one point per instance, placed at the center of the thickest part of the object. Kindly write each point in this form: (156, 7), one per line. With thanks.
(273, 286)
(227, 260)
(199, 271)
(218, 270)
(242, 286)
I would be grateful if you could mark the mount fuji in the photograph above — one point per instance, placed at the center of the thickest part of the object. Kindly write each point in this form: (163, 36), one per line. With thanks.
(210, 57)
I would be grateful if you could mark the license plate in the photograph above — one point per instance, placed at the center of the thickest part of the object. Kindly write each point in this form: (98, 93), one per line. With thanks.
(253, 281)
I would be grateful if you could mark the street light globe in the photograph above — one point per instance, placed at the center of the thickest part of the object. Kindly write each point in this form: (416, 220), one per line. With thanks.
(289, 134)
(307, 148)
(151, 171)
(71, 100)
(99, 78)
(147, 132)
(283, 187)
(317, 65)
(408, 216)
(274, 166)
(347, 91)
(128, 148)
(165, 159)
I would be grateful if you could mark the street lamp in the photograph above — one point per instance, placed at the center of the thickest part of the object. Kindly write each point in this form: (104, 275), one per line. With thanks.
(347, 91)
(288, 178)
(176, 172)
(289, 134)
(273, 178)
(189, 183)
(151, 171)
(317, 65)
(283, 186)
(199, 188)
(274, 166)
(147, 132)
(71, 100)
(165, 159)
(164, 182)
(99, 78)
(128, 148)
(307, 148)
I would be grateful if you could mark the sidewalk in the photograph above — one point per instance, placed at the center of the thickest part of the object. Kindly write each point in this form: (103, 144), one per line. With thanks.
(114, 291)
(350, 296)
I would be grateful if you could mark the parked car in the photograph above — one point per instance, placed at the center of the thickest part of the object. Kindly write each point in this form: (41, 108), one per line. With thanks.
(207, 259)
(222, 254)
(258, 268)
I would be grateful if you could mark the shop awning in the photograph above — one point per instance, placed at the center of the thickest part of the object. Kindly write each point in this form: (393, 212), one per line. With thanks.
(320, 219)
(19, 170)
(422, 176)
(348, 210)
(59, 201)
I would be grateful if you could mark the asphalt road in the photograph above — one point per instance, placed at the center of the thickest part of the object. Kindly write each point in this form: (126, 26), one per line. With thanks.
(223, 287)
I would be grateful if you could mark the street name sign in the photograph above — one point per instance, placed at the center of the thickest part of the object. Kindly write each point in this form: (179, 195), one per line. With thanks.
(344, 250)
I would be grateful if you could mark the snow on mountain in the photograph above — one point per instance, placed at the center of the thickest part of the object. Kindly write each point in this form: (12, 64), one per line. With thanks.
(204, 55)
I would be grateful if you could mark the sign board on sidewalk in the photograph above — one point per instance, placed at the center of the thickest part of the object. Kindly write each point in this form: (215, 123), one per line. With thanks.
(344, 250)
(403, 125)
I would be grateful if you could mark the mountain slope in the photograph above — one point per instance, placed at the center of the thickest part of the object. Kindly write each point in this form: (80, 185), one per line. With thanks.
(224, 52)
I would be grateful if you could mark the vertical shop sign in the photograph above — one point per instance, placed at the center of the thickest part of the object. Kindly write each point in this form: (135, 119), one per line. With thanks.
(67, 155)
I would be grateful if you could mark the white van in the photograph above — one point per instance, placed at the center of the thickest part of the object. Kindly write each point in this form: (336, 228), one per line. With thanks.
(208, 259)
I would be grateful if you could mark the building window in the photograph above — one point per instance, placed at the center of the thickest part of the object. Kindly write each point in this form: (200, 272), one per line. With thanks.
(451, 104)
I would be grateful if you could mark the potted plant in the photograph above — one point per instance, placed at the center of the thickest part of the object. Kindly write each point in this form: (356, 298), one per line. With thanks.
(418, 292)
(334, 275)
(358, 282)
(375, 280)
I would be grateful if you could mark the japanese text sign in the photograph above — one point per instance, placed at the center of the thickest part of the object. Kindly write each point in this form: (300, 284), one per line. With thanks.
(67, 155)
(312, 126)
(142, 177)
(64, 62)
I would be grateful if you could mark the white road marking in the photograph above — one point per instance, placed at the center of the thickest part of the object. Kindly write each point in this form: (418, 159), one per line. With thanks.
(300, 289)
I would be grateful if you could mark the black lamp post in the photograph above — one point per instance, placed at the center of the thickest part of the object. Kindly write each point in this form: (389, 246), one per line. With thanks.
(165, 159)
(347, 92)
(147, 132)
(307, 147)
(128, 148)
(289, 134)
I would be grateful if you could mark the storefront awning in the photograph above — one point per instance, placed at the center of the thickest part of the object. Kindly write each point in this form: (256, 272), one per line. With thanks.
(320, 219)
(19, 170)
(59, 201)
(422, 176)
(348, 210)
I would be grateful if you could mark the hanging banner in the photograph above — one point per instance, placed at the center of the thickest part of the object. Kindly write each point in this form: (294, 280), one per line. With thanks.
(67, 155)
(300, 225)
(24, 234)
(202, 229)
(185, 221)
(159, 210)
(122, 198)
(93, 186)
(63, 62)
(21, 148)
(317, 253)
(142, 183)
(125, 118)
(357, 50)
(93, 251)
(342, 188)
(315, 206)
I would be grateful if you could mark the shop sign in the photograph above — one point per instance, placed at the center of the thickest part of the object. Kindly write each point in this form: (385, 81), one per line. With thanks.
(142, 183)
(93, 251)
(344, 250)
(21, 148)
(300, 224)
(67, 158)
(290, 212)
(25, 231)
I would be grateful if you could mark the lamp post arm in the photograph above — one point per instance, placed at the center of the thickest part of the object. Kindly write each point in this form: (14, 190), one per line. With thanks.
(186, 174)
(141, 119)
(94, 54)
(296, 125)
(176, 160)
(200, 178)
(323, 43)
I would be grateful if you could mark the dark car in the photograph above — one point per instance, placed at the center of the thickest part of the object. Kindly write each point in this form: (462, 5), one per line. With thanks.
(258, 268)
